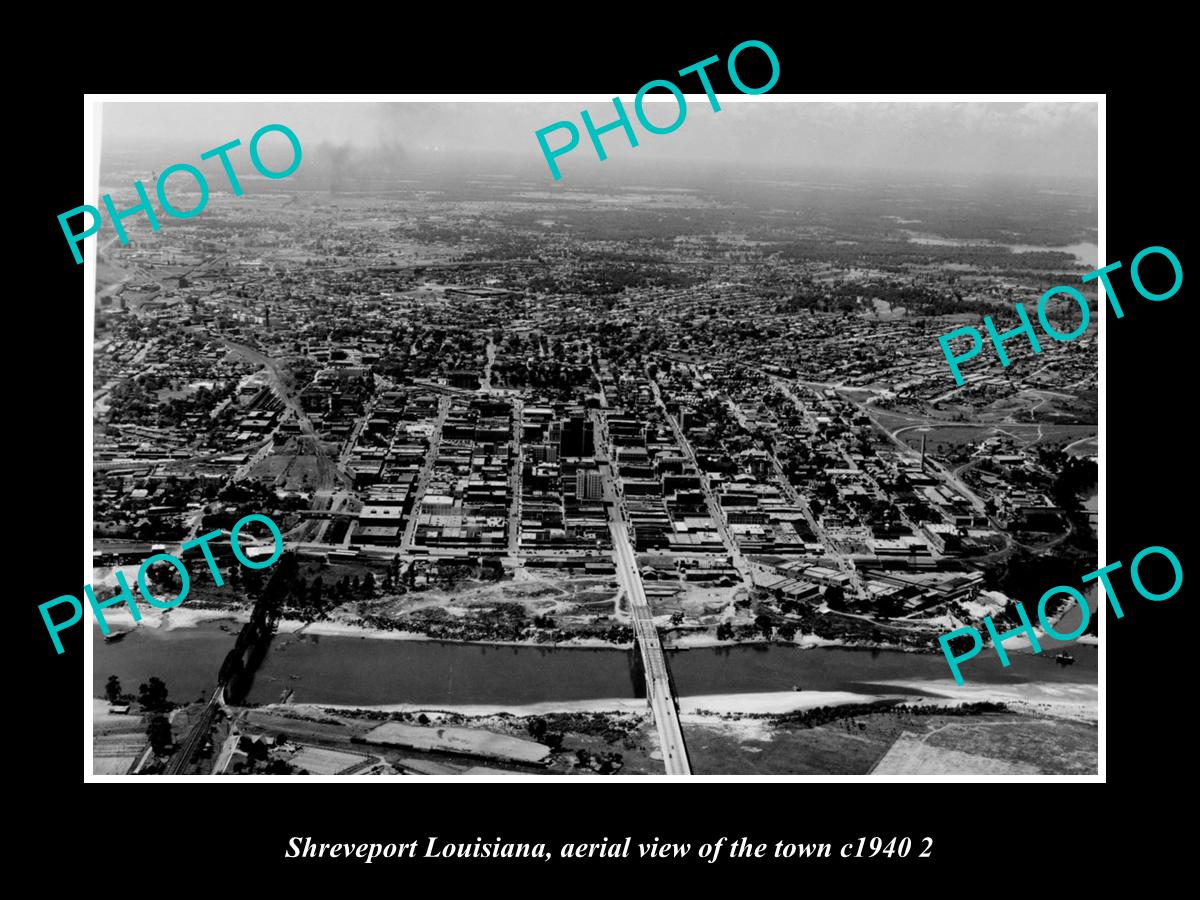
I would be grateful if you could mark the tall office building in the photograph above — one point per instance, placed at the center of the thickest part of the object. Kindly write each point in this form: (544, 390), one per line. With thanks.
(544, 452)
(589, 485)
(577, 439)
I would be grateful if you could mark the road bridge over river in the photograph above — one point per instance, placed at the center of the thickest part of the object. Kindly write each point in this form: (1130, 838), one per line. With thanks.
(659, 690)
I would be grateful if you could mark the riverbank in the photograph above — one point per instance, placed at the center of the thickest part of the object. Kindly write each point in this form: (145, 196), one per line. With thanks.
(350, 629)
(766, 703)
(669, 641)
(183, 616)
(1065, 621)
(804, 642)
(1068, 701)
(120, 619)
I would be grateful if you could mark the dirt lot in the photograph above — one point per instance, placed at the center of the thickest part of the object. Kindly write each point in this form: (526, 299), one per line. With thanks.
(564, 607)
(695, 601)
(453, 739)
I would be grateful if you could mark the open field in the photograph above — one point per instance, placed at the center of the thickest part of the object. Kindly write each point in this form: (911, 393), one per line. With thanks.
(1040, 744)
(117, 739)
(911, 755)
(854, 745)
(109, 758)
(1085, 447)
(953, 435)
(467, 741)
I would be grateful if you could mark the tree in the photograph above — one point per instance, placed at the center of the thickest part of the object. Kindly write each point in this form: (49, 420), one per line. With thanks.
(153, 695)
(252, 582)
(369, 585)
(112, 689)
(314, 593)
(763, 623)
(166, 579)
(257, 751)
(787, 631)
(724, 632)
(835, 597)
(158, 732)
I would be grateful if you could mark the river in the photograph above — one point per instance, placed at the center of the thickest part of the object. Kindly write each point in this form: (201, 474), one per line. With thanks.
(349, 670)
(1085, 253)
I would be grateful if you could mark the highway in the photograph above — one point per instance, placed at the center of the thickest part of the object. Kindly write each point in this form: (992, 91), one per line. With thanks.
(435, 442)
(658, 680)
(514, 480)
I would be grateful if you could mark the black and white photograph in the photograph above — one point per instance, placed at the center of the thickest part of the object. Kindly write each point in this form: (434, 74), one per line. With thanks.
(463, 438)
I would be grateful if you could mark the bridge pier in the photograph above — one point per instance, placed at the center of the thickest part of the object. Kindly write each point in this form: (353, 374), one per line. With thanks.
(638, 665)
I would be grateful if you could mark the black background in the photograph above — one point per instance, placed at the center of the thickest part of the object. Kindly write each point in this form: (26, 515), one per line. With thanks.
(1032, 833)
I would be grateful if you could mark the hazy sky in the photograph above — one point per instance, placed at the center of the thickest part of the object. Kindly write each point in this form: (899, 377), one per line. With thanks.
(995, 138)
